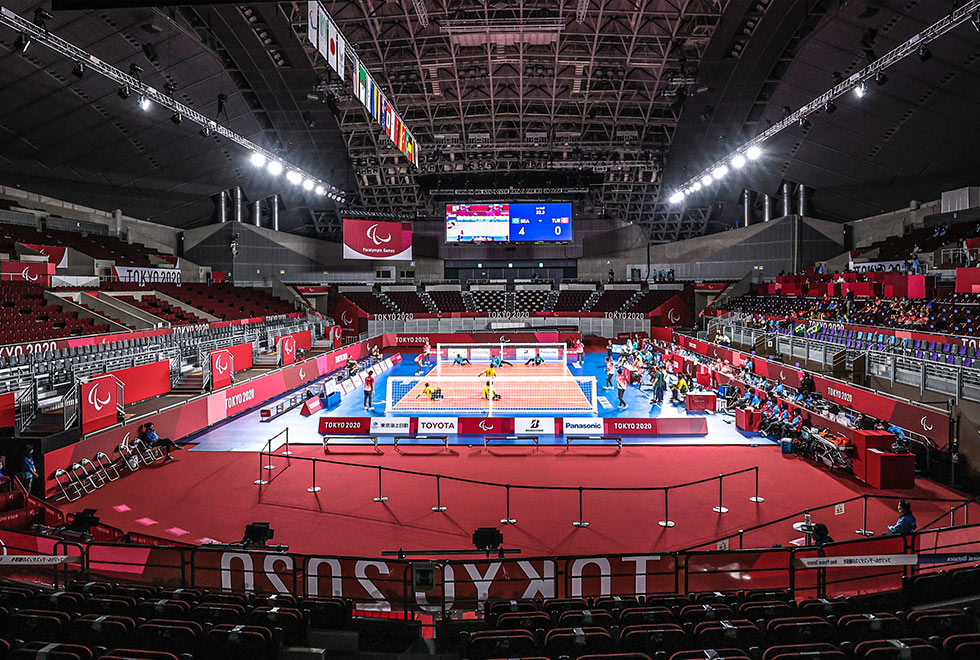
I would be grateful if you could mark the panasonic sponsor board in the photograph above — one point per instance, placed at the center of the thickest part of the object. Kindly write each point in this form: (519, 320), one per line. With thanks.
(580, 425)
(438, 425)
(534, 425)
(391, 425)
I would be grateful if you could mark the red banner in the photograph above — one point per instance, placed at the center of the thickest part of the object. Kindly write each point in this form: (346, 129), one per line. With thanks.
(351, 318)
(145, 381)
(311, 406)
(56, 254)
(486, 425)
(367, 239)
(243, 356)
(345, 425)
(98, 404)
(221, 369)
(8, 410)
(288, 344)
(38, 272)
(660, 426)
(672, 314)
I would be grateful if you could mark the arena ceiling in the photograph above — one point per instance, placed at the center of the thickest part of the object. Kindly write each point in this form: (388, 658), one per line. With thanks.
(606, 100)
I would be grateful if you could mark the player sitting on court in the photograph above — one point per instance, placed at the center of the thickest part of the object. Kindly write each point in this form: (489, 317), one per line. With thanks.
(496, 362)
(460, 360)
(537, 360)
(433, 394)
(489, 372)
(489, 392)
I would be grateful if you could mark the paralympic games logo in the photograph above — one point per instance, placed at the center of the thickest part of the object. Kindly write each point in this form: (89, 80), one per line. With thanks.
(925, 426)
(302, 373)
(673, 316)
(94, 401)
(372, 233)
(288, 345)
(483, 425)
(345, 318)
(27, 276)
(219, 366)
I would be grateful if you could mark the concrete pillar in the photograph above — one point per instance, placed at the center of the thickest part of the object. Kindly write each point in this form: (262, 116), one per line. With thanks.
(766, 207)
(257, 213)
(223, 206)
(801, 207)
(746, 207)
(237, 207)
(787, 198)
(274, 211)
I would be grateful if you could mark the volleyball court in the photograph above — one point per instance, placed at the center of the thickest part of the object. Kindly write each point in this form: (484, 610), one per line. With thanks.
(532, 379)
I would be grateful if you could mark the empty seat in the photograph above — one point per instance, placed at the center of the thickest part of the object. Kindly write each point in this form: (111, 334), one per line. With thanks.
(650, 639)
(171, 636)
(102, 630)
(804, 652)
(859, 627)
(939, 623)
(326, 613)
(239, 642)
(287, 619)
(576, 642)
(962, 647)
(633, 616)
(800, 629)
(523, 621)
(735, 633)
(51, 651)
(585, 618)
(897, 649)
(487, 644)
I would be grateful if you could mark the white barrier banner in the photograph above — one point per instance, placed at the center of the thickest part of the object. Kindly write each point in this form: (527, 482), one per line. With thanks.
(391, 425)
(534, 425)
(144, 276)
(7, 560)
(860, 560)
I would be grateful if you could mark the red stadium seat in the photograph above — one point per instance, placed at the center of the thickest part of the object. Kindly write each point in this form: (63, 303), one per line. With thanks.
(804, 652)
(51, 651)
(646, 615)
(240, 642)
(326, 613)
(897, 649)
(576, 642)
(102, 630)
(736, 633)
(488, 644)
(800, 629)
(651, 639)
(523, 621)
(585, 618)
(859, 627)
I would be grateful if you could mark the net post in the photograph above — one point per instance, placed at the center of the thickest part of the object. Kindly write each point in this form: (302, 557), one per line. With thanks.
(581, 522)
(721, 508)
(313, 488)
(509, 520)
(388, 392)
(666, 522)
(756, 498)
(438, 508)
(380, 497)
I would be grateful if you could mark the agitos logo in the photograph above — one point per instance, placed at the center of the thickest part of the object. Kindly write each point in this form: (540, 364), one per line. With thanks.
(372, 233)
(95, 401)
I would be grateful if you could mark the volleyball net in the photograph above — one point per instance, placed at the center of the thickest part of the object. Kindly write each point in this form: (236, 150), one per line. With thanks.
(508, 352)
(557, 395)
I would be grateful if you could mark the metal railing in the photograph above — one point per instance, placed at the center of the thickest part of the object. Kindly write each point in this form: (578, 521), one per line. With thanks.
(956, 381)
(25, 408)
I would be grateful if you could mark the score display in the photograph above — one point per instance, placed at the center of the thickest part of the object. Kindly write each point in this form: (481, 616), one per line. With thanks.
(504, 222)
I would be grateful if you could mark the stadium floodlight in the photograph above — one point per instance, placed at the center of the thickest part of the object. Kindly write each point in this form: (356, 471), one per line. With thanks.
(696, 186)
(294, 177)
(738, 161)
(307, 184)
(753, 152)
(274, 167)
(319, 190)
(676, 197)
(144, 103)
(707, 179)
(720, 172)
(124, 92)
(830, 108)
(860, 89)
(257, 159)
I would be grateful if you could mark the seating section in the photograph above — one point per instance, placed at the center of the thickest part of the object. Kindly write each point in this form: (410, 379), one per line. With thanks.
(107, 248)
(651, 300)
(572, 300)
(90, 619)
(612, 300)
(162, 309)
(764, 624)
(448, 301)
(225, 301)
(408, 302)
(489, 302)
(26, 316)
(367, 301)
(530, 301)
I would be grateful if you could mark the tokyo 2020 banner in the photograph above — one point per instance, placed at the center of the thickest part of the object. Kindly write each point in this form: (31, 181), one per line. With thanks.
(368, 239)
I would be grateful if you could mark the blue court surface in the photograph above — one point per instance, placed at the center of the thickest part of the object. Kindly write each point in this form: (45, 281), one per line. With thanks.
(247, 433)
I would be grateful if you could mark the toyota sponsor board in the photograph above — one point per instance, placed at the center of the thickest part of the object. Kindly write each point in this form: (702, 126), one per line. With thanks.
(439, 425)
(370, 239)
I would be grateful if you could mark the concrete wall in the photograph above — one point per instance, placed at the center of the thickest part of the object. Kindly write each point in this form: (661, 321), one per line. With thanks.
(866, 231)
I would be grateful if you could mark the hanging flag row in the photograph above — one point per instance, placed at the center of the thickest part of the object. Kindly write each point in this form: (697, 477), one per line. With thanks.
(370, 94)
(326, 36)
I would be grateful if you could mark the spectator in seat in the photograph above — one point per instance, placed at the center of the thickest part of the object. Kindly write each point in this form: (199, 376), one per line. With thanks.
(821, 535)
(906, 521)
(27, 472)
(152, 439)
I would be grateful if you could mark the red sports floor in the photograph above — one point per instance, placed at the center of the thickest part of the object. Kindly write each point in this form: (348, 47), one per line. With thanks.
(211, 495)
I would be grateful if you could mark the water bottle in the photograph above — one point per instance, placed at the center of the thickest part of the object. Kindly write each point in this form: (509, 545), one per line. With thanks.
(806, 517)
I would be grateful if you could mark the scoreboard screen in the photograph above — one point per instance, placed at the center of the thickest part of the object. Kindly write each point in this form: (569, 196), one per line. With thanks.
(500, 222)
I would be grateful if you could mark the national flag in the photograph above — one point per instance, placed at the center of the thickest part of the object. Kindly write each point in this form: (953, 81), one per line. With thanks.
(410, 148)
(397, 133)
(311, 23)
(335, 50)
(386, 121)
(376, 104)
(323, 33)
(390, 122)
(362, 77)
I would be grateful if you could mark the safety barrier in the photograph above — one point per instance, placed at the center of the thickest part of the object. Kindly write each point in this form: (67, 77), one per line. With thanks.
(850, 567)
(281, 441)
